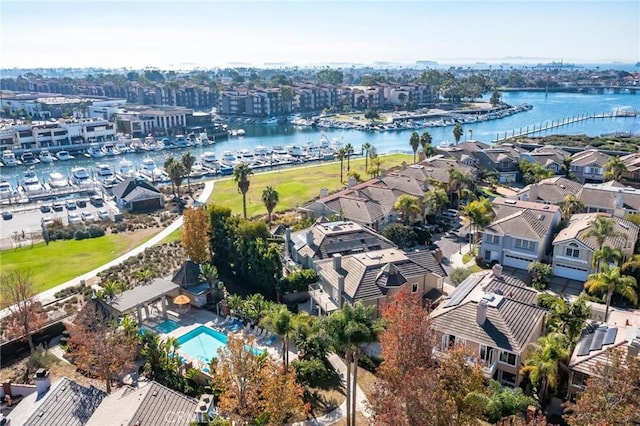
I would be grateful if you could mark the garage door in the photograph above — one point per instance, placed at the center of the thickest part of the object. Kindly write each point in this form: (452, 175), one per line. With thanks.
(570, 272)
(516, 262)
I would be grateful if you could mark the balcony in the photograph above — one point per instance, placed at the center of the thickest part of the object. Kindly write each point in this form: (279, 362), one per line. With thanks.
(487, 369)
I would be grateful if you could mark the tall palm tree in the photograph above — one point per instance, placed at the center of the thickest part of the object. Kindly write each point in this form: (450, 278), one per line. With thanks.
(280, 321)
(543, 362)
(609, 254)
(458, 182)
(569, 318)
(167, 165)
(187, 161)
(241, 175)
(270, 199)
(341, 155)
(176, 173)
(425, 143)
(408, 206)
(601, 228)
(571, 205)
(457, 132)
(480, 213)
(614, 169)
(349, 148)
(436, 199)
(366, 148)
(414, 141)
(611, 281)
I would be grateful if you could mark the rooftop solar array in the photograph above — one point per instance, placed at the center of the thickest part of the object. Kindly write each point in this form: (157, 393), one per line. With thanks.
(463, 290)
(594, 338)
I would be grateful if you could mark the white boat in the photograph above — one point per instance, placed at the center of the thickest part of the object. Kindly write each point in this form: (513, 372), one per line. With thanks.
(80, 176)
(294, 151)
(245, 156)
(123, 148)
(103, 171)
(6, 190)
(125, 170)
(57, 180)
(46, 157)
(28, 159)
(228, 158)
(30, 182)
(94, 151)
(9, 158)
(197, 169)
(64, 156)
(109, 149)
(204, 139)
(209, 159)
(148, 170)
(180, 141)
(270, 121)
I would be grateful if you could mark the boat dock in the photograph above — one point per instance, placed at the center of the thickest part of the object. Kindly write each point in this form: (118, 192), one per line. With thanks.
(554, 124)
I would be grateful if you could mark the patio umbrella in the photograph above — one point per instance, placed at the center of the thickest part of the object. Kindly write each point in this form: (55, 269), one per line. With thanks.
(181, 300)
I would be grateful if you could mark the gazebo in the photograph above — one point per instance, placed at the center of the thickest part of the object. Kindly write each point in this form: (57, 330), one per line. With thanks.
(141, 297)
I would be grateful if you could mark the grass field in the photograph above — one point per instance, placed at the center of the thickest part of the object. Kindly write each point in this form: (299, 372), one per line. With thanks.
(61, 261)
(295, 186)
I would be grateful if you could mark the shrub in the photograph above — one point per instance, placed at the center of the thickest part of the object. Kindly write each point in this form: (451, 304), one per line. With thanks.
(299, 280)
(95, 231)
(81, 234)
(40, 359)
(540, 273)
(459, 274)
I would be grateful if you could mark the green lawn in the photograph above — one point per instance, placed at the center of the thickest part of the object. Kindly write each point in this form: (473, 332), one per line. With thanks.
(61, 261)
(295, 186)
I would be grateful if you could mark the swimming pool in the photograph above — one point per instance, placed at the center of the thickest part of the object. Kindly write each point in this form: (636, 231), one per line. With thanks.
(167, 326)
(202, 343)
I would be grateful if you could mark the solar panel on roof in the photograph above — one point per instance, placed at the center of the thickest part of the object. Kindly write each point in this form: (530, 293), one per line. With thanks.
(463, 290)
(610, 336)
(585, 344)
(598, 337)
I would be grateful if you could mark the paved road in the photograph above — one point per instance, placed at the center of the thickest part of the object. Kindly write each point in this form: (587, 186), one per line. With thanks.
(48, 296)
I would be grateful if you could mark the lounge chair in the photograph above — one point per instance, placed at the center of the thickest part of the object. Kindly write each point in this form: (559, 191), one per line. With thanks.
(271, 340)
(257, 331)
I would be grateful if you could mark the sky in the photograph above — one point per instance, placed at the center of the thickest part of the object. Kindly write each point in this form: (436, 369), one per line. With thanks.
(210, 33)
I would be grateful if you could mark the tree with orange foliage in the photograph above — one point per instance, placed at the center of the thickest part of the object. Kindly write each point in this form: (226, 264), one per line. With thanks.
(409, 391)
(281, 394)
(98, 346)
(195, 235)
(17, 295)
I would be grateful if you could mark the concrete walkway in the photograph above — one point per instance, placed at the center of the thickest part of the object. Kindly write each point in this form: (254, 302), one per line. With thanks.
(48, 295)
(362, 405)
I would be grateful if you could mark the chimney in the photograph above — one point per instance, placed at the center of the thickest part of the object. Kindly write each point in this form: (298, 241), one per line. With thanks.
(619, 199)
(497, 270)
(309, 237)
(324, 192)
(340, 289)
(437, 254)
(351, 182)
(43, 381)
(337, 261)
(533, 193)
(481, 312)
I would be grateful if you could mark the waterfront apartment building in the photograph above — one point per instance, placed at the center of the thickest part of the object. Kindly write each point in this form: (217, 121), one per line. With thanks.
(139, 120)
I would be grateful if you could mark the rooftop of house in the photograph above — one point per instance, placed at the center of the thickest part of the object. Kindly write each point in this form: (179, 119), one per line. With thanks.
(589, 157)
(551, 190)
(579, 225)
(610, 195)
(597, 341)
(512, 319)
(524, 223)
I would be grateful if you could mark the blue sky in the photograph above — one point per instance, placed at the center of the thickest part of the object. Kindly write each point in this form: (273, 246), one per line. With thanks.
(161, 33)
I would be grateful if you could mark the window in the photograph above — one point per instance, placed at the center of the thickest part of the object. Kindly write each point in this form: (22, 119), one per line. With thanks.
(525, 244)
(508, 379)
(492, 239)
(486, 353)
(572, 252)
(508, 358)
(414, 288)
(578, 379)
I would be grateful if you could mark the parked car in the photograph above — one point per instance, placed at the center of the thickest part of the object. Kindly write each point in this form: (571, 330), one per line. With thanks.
(6, 215)
(96, 200)
(451, 213)
(82, 203)
(73, 218)
(71, 205)
(46, 220)
(87, 216)
(58, 207)
(45, 208)
(103, 214)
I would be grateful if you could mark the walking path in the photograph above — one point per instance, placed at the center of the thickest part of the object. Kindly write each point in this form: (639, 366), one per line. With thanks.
(48, 295)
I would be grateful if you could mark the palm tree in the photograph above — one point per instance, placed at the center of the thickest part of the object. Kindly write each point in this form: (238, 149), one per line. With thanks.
(610, 255)
(366, 148)
(611, 281)
(167, 165)
(349, 148)
(241, 175)
(408, 206)
(436, 199)
(480, 213)
(614, 169)
(340, 155)
(569, 318)
(270, 199)
(187, 161)
(209, 273)
(601, 228)
(457, 132)
(414, 141)
(571, 205)
(458, 181)
(280, 321)
(176, 172)
(425, 143)
(543, 362)
(566, 167)
(470, 134)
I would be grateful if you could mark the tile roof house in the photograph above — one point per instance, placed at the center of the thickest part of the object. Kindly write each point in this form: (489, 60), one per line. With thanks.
(520, 233)
(151, 404)
(550, 157)
(136, 195)
(588, 165)
(503, 159)
(549, 191)
(610, 197)
(464, 152)
(373, 276)
(632, 163)
(573, 251)
(493, 315)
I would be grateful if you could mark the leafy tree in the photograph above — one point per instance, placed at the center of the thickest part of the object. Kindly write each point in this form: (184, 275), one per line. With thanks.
(408, 206)
(99, 346)
(534, 172)
(614, 169)
(329, 76)
(436, 199)
(221, 236)
(270, 199)
(457, 133)
(458, 182)
(425, 143)
(195, 235)
(459, 274)
(543, 362)
(375, 169)
(611, 281)
(401, 235)
(540, 274)
(414, 141)
(611, 394)
(495, 97)
(187, 161)
(281, 395)
(241, 175)
(632, 267)
(17, 295)
(503, 402)
(459, 379)
(280, 321)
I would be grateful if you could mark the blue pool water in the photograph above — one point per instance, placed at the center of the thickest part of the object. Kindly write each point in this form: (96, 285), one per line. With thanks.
(202, 343)
(167, 326)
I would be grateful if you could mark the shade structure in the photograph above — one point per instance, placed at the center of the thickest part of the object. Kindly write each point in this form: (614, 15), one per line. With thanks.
(181, 300)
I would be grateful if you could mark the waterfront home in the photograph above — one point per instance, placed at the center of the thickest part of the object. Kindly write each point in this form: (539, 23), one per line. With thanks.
(573, 251)
(588, 165)
(438, 169)
(371, 277)
(549, 191)
(135, 195)
(632, 165)
(610, 197)
(550, 157)
(464, 152)
(494, 316)
(520, 233)
(503, 160)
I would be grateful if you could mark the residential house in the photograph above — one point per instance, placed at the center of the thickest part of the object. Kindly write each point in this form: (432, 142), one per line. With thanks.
(573, 251)
(549, 191)
(632, 172)
(550, 157)
(610, 197)
(493, 314)
(521, 232)
(464, 152)
(595, 347)
(325, 239)
(588, 165)
(149, 404)
(502, 159)
(135, 195)
(371, 277)
(191, 284)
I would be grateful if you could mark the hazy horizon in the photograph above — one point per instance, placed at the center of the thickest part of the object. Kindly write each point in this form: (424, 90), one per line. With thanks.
(207, 34)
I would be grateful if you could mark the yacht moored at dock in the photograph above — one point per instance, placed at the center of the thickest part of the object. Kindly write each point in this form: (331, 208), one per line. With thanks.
(46, 157)
(28, 159)
(30, 182)
(64, 156)
(57, 180)
(9, 159)
(80, 176)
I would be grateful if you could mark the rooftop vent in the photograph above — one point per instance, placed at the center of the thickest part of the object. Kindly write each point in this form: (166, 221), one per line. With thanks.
(510, 201)
(540, 217)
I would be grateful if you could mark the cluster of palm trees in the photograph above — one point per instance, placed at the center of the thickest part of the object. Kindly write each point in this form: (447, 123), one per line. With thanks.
(178, 170)
(423, 141)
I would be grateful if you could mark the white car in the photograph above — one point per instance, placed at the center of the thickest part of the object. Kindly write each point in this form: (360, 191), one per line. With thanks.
(103, 214)
(74, 217)
(46, 220)
(88, 216)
